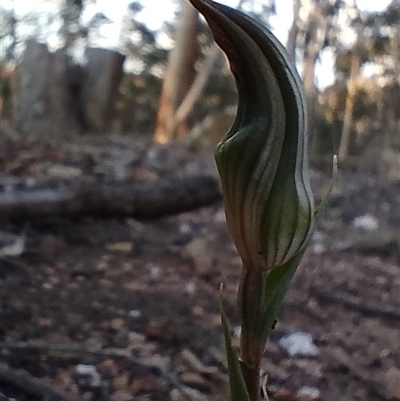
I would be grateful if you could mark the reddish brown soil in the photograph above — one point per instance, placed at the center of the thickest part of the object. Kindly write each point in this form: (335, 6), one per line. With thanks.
(84, 290)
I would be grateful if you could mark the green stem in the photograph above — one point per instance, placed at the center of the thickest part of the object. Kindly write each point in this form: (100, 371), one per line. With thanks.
(252, 379)
(252, 342)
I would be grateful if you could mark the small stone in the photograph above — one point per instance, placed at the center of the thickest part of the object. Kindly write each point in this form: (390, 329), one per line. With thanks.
(155, 271)
(121, 395)
(308, 393)
(121, 247)
(198, 253)
(64, 172)
(121, 382)
(137, 338)
(108, 366)
(391, 380)
(299, 344)
(87, 375)
(190, 288)
(45, 322)
(175, 395)
(195, 363)
(197, 311)
(144, 174)
(284, 394)
(74, 319)
(117, 324)
(135, 313)
(141, 385)
(366, 222)
(63, 380)
(154, 331)
(194, 380)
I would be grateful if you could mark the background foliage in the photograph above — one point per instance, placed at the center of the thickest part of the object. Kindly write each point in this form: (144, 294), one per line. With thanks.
(357, 115)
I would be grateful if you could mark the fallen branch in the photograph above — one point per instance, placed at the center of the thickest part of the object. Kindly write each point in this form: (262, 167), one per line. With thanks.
(366, 310)
(66, 350)
(33, 386)
(76, 350)
(145, 200)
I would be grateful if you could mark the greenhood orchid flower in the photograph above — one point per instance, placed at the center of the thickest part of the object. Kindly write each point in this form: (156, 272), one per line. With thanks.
(262, 160)
(263, 166)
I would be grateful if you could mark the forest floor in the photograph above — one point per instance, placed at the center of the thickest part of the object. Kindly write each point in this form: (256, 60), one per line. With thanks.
(127, 309)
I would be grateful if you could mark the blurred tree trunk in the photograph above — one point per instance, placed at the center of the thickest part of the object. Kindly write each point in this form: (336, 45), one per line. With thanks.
(294, 30)
(178, 75)
(42, 97)
(55, 97)
(318, 32)
(6, 90)
(196, 89)
(355, 67)
(102, 76)
(390, 115)
(312, 47)
(395, 53)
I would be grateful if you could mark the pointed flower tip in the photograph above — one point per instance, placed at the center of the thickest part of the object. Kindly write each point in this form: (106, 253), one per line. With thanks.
(262, 161)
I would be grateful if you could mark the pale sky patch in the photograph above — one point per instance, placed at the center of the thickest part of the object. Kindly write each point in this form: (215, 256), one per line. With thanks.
(156, 12)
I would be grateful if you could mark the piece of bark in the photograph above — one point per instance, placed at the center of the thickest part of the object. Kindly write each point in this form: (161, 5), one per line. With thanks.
(356, 305)
(33, 386)
(77, 350)
(146, 200)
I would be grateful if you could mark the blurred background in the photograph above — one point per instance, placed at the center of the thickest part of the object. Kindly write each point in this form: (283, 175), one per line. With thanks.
(151, 69)
(113, 239)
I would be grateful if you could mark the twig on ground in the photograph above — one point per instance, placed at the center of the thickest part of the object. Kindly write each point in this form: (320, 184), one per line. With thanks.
(33, 386)
(74, 350)
(304, 308)
(366, 310)
(3, 397)
(15, 262)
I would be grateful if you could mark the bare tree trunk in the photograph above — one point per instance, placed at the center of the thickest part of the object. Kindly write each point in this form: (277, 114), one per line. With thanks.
(395, 52)
(294, 30)
(6, 90)
(197, 87)
(178, 75)
(312, 48)
(319, 27)
(42, 94)
(102, 76)
(55, 97)
(30, 104)
(390, 126)
(63, 105)
(349, 106)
